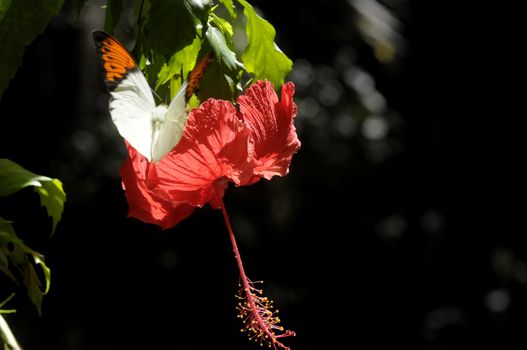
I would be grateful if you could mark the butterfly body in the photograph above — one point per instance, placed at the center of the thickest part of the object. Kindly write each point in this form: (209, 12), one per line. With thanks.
(153, 130)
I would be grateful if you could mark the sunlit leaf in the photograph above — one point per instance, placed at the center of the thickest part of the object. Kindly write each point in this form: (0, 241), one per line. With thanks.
(20, 23)
(52, 197)
(24, 259)
(180, 64)
(223, 25)
(13, 178)
(262, 57)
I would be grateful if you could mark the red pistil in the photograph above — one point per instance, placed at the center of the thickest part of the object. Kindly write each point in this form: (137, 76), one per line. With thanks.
(256, 311)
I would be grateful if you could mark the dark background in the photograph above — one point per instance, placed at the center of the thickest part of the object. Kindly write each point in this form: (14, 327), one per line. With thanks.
(386, 232)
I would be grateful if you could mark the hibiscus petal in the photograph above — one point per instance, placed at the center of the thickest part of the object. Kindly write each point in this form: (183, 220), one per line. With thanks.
(142, 202)
(213, 150)
(272, 130)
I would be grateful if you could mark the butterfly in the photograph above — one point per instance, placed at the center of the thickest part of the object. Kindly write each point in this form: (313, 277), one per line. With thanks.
(152, 130)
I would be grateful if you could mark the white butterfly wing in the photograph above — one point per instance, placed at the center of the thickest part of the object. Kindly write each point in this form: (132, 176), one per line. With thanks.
(170, 129)
(132, 103)
(131, 107)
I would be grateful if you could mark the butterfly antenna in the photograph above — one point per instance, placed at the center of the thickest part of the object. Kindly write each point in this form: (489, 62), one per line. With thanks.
(155, 94)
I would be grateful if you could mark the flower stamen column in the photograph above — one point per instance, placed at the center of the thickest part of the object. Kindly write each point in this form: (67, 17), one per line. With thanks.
(256, 311)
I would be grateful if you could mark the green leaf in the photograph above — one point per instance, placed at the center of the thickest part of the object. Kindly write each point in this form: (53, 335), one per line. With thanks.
(223, 74)
(173, 25)
(4, 5)
(229, 5)
(52, 197)
(124, 15)
(262, 57)
(181, 62)
(20, 23)
(13, 178)
(223, 25)
(114, 9)
(33, 284)
(224, 55)
(24, 259)
(6, 232)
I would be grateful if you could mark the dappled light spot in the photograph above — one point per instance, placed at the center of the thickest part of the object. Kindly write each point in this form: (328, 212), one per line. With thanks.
(84, 142)
(497, 300)
(359, 80)
(375, 102)
(432, 222)
(392, 227)
(345, 57)
(345, 124)
(380, 29)
(329, 93)
(437, 320)
(302, 74)
(375, 128)
(308, 108)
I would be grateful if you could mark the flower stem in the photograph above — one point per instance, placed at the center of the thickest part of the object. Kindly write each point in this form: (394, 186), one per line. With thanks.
(255, 309)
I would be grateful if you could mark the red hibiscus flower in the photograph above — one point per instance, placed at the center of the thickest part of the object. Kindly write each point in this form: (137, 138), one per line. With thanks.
(220, 145)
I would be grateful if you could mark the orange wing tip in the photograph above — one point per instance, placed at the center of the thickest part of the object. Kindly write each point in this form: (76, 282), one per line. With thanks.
(114, 58)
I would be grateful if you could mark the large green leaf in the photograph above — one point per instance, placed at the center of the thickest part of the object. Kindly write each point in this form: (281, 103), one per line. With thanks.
(24, 259)
(20, 23)
(262, 57)
(173, 25)
(13, 178)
